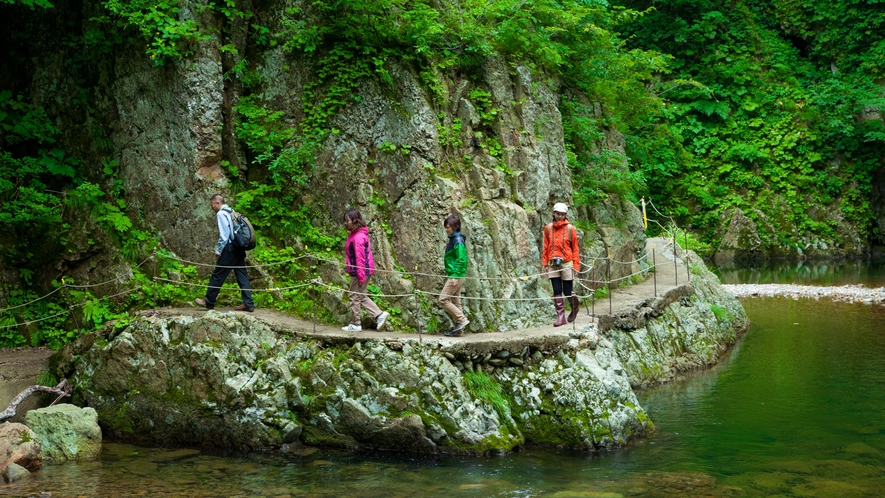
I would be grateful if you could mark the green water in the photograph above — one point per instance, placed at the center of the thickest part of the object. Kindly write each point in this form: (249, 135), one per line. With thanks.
(796, 409)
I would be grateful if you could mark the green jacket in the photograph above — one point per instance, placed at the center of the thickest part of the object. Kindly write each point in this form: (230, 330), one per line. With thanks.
(456, 256)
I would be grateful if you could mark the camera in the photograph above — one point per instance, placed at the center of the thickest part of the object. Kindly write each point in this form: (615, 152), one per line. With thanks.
(556, 261)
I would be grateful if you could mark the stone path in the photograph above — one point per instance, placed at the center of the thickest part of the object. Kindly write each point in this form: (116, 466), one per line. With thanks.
(669, 282)
(844, 293)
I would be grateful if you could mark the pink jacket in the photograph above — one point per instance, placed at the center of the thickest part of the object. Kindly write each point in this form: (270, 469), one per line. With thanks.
(358, 254)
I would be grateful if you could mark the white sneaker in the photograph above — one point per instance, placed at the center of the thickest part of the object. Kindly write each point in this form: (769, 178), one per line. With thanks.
(382, 320)
(352, 328)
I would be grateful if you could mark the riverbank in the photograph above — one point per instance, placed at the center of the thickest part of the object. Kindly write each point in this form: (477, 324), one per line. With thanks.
(842, 293)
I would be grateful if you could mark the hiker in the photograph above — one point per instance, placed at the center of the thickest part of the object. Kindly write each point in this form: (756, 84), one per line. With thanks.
(456, 269)
(228, 257)
(360, 264)
(560, 260)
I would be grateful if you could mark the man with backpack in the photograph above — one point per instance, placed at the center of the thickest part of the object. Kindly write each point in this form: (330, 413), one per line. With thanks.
(230, 254)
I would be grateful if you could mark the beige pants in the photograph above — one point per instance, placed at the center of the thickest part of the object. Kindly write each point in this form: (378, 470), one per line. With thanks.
(450, 299)
(566, 271)
(359, 297)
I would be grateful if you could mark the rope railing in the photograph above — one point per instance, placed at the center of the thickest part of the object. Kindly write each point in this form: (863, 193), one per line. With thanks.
(115, 279)
(211, 265)
(118, 278)
(31, 302)
(582, 278)
(28, 322)
(222, 287)
(70, 308)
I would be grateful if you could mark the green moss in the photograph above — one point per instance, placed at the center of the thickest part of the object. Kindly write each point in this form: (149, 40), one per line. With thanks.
(118, 419)
(722, 314)
(549, 429)
(317, 437)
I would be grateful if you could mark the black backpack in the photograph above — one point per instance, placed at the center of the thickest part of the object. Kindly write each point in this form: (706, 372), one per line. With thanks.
(244, 232)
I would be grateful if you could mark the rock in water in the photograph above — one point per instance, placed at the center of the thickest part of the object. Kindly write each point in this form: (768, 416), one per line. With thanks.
(14, 472)
(18, 444)
(66, 432)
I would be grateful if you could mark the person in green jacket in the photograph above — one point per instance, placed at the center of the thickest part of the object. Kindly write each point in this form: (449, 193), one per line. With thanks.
(456, 269)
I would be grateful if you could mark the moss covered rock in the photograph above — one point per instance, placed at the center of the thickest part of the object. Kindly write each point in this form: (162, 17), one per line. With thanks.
(66, 432)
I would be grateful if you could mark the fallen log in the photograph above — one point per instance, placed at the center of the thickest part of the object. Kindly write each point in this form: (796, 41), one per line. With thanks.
(62, 389)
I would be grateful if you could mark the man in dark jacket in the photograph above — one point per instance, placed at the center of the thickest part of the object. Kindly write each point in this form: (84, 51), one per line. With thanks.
(228, 257)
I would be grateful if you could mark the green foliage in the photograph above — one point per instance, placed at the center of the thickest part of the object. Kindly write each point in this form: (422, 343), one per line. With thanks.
(687, 240)
(450, 135)
(30, 3)
(774, 127)
(30, 176)
(483, 387)
(160, 24)
(48, 379)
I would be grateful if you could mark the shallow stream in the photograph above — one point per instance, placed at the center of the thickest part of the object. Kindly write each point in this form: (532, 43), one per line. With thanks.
(796, 409)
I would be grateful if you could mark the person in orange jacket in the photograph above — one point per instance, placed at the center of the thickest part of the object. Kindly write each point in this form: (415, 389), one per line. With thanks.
(561, 260)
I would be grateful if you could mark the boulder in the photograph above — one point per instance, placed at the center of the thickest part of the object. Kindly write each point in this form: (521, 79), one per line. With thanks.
(742, 240)
(15, 472)
(19, 445)
(66, 432)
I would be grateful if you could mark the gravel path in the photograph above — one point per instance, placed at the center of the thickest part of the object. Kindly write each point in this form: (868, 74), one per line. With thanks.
(844, 293)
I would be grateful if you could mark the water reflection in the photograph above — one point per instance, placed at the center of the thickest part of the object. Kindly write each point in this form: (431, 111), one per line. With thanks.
(869, 272)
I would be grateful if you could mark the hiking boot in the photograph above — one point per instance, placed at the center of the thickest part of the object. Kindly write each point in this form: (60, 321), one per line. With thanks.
(559, 304)
(575, 304)
(381, 321)
(243, 307)
(458, 331)
(202, 303)
(352, 328)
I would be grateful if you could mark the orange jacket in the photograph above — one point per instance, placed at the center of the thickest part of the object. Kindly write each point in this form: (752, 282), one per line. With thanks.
(559, 243)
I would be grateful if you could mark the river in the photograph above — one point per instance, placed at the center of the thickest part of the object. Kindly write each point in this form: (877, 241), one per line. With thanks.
(797, 408)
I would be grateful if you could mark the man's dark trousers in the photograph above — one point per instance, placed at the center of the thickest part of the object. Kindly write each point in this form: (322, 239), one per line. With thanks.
(230, 256)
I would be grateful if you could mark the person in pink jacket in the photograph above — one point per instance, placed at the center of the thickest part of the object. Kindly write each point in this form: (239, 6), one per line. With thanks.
(360, 265)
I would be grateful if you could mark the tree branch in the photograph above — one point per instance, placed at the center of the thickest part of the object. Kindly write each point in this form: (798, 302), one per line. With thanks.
(62, 389)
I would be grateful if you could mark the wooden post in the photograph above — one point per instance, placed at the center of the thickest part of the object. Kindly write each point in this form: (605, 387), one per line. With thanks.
(675, 267)
(310, 275)
(685, 255)
(417, 305)
(609, 283)
(155, 276)
(654, 265)
(68, 300)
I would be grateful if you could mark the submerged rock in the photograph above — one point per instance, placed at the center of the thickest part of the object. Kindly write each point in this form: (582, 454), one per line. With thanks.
(66, 432)
(15, 472)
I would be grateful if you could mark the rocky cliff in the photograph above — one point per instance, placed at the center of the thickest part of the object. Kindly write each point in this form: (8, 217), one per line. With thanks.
(487, 146)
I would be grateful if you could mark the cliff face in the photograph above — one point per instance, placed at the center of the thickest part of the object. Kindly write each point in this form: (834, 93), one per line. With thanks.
(405, 154)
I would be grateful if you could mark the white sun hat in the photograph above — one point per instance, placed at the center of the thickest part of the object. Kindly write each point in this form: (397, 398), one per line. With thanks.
(560, 207)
